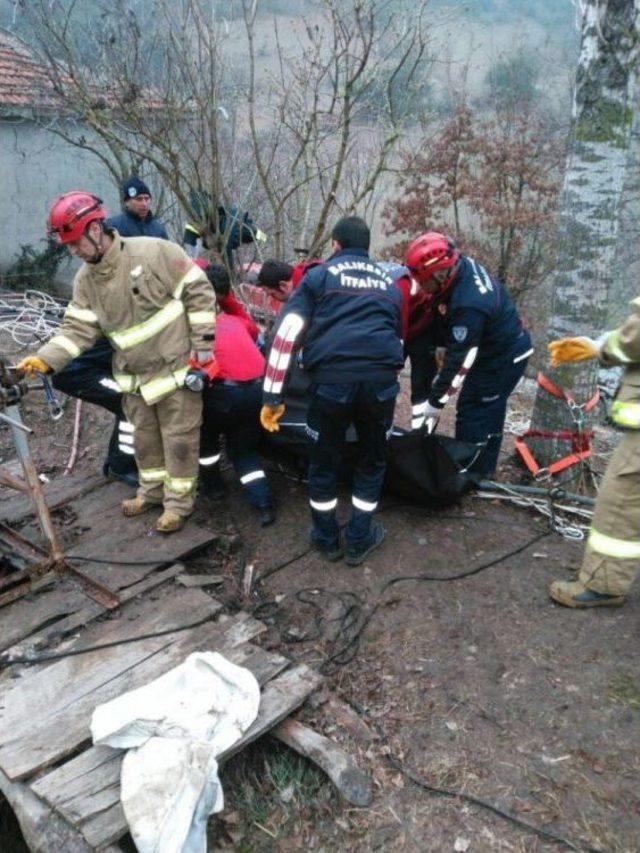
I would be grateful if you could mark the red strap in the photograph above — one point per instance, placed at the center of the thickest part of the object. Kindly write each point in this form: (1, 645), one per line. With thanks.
(580, 440)
(555, 391)
(578, 454)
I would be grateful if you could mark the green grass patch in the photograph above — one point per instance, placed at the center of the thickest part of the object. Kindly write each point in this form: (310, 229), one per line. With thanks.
(625, 691)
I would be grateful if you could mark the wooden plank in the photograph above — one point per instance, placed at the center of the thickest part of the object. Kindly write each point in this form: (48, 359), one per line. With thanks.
(200, 580)
(39, 641)
(129, 542)
(86, 790)
(31, 613)
(39, 728)
(95, 527)
(57, 493)
(280, 698)
(354, 785)
(42, 828)
(38, 689)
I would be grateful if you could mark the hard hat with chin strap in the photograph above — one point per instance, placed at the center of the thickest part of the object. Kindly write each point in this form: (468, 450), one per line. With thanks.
(430, 253)
(72, 213)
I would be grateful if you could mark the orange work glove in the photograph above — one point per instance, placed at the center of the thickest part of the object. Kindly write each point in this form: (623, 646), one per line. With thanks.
(270, 415)
(439, 357)
(572, 349)
(33, 364)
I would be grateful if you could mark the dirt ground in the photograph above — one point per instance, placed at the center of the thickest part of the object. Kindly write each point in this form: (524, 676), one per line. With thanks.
(479, 686)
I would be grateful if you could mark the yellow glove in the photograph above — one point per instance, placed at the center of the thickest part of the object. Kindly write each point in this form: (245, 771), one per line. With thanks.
(270, 415)
(572, 349)
(33, 364)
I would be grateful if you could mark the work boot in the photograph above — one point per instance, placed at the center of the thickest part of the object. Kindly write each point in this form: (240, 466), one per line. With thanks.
(211, 483)
(332, 552)
(136, 506)
(169, 522)
(128, 477)
(356, 555)
(267, 514)
(576, 594)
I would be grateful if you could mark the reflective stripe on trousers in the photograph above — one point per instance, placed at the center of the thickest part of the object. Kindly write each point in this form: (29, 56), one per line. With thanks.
(417, 414)
(626, 414)
(125, 438)
(621, 549)
(364, 506)
(207, 461)
(324, 506)
(251, 476)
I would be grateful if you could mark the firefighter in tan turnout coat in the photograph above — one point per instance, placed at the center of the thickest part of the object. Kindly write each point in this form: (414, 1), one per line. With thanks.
(612, 556)
(157, 309)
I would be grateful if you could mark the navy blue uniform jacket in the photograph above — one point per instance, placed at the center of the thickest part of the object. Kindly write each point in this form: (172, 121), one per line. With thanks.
(481, 327)
(347, 314)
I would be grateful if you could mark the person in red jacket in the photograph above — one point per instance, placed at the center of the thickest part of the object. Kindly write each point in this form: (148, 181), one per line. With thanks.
(420, 345)
(232, 401)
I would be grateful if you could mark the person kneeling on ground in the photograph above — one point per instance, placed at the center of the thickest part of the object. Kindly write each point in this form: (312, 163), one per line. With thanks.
(232, 401)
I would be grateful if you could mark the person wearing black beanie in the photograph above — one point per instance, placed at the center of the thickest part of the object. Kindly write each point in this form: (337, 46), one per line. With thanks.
(137, 219)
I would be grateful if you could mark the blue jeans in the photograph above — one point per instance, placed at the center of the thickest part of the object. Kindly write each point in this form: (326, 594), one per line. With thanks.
(368, 406)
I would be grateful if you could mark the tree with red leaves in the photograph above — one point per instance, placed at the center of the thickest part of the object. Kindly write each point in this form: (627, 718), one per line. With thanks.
(492, 184)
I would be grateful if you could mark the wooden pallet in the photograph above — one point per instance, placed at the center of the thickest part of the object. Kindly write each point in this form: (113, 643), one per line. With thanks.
(45, 748)
(64, 791)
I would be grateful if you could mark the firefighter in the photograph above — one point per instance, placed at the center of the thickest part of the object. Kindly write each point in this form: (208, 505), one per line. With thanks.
(88, 376)
(487, 348)
(281, 279)
(232, 400)
(136, 219)
(612, 556)
(347, 313)
(157, 309)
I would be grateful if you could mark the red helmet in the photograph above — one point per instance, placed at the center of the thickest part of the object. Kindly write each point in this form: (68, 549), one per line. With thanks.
(71, 213)
(429, 253)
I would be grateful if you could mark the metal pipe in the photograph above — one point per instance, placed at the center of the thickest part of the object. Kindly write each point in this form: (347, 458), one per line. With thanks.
(555, 493)
(14, 423)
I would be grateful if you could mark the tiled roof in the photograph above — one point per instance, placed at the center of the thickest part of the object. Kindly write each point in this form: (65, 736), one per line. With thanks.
(22, 79)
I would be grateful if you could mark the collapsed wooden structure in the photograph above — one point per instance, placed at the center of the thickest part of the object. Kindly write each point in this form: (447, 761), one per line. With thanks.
(64, 791)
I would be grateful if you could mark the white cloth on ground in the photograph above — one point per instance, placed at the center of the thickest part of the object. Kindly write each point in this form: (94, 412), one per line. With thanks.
(174, 728)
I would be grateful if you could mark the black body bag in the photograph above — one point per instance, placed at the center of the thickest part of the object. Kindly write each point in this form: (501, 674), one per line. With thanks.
(431, 470)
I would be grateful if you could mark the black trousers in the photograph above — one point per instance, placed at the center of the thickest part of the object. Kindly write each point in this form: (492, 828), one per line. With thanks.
(89, 377)
(233, 409)
(368, 406)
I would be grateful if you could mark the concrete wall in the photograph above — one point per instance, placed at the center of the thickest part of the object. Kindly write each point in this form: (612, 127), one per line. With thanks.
(35, 167)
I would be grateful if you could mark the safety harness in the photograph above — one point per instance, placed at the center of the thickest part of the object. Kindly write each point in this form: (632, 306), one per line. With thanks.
(579, 437)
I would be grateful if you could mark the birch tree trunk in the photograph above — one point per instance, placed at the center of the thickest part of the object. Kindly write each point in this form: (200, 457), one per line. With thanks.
(590, 201)
(626, 283)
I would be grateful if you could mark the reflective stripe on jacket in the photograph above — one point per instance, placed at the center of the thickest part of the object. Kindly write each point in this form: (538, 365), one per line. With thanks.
(622, 347)
(153, 304)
